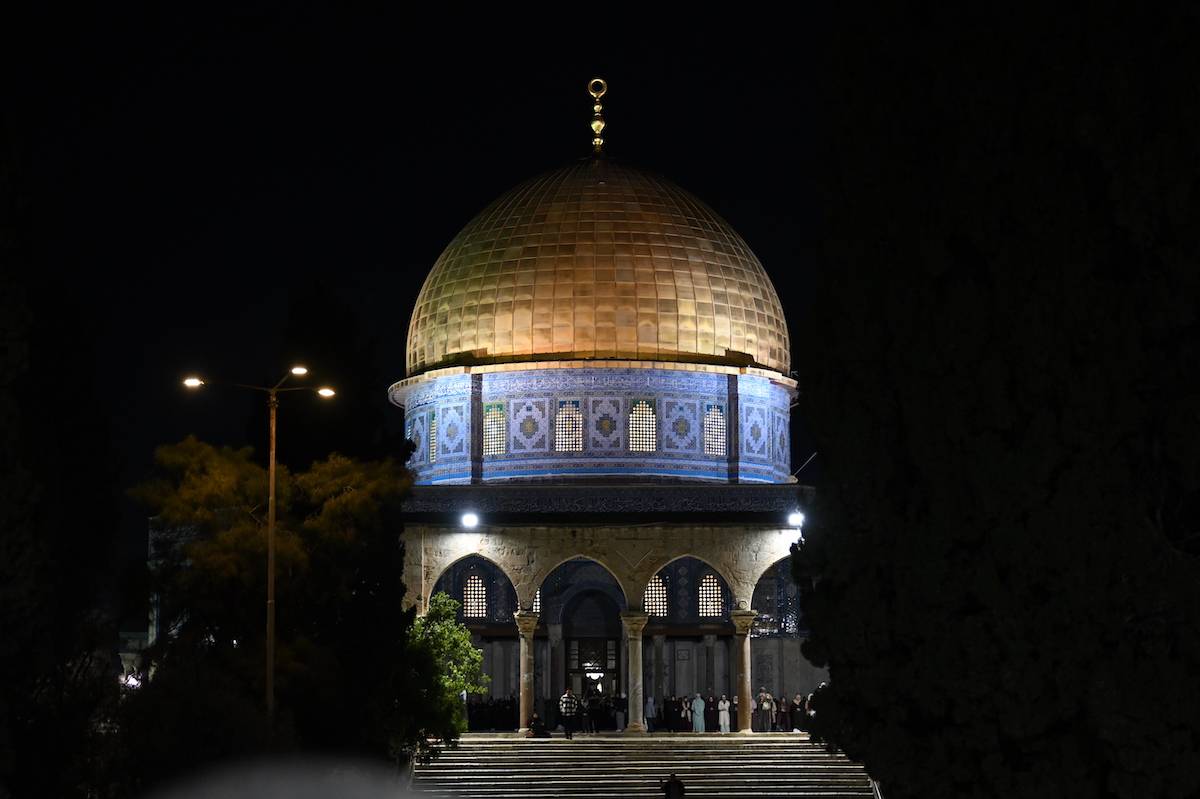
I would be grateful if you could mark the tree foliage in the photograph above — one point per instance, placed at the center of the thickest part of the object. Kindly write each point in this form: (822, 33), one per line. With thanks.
(348, 678)
(57, 518)
(1002, 370)
(441, 633)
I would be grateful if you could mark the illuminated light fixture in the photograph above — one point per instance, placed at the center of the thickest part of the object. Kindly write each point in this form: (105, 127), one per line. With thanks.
(326, 392)
(470, 520)
(299, 370)
(193, 382)
(796, 519)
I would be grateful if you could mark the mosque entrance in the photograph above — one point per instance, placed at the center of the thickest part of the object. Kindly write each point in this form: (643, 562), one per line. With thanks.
(592, 629)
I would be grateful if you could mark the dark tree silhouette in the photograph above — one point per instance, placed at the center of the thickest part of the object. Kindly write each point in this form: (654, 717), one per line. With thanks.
(1002, 370)
(57, 519)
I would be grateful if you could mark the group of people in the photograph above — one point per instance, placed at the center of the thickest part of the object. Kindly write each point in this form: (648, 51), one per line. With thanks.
(684, 714)
(492, 713)
(592, 712)
(697, 714)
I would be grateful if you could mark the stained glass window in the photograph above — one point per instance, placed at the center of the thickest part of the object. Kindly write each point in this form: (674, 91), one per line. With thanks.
(432, 436)
(655, 599)
(714, 430)
(643, 427)
(495, 429)
(568, 427)
(711, 603)
(474, 598)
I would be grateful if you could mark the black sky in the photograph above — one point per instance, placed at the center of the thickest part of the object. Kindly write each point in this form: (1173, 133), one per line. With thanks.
(192, 174)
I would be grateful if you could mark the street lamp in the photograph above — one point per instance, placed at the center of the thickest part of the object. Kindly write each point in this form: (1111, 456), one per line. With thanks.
(272, 392)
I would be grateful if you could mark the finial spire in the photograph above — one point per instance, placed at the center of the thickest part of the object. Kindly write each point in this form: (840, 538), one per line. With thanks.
(596, 88)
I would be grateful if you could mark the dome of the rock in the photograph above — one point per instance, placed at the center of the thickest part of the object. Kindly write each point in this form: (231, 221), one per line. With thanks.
(597, 261)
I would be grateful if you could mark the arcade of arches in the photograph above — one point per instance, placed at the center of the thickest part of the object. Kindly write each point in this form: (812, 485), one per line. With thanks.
(649, 625)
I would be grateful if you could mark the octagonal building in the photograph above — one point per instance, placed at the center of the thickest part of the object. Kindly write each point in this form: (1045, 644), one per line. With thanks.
(597, 390)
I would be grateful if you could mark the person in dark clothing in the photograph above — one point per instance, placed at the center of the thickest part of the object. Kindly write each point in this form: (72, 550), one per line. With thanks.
(710, 713)
(568, 710)
(537, 727)
(672, 788)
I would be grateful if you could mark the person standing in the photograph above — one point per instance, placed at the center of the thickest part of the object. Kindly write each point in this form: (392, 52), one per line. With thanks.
(710, 713)
(651, 714)
(622, 707)
(685, 713)
(783, 716)
(568, 709)
(697, 713)
(723, 713)
(798, 713)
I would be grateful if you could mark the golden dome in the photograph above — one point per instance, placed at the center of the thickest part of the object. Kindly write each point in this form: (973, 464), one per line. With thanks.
(597, 261)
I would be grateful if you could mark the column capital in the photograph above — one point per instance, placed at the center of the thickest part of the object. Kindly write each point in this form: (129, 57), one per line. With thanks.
(710, 640)
(555, 631)
(527, 622)
(635, 621)
(742, 620)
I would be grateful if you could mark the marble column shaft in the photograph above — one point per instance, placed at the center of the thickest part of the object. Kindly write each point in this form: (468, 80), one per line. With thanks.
(742, 621)
(526, 624)
(634, 622)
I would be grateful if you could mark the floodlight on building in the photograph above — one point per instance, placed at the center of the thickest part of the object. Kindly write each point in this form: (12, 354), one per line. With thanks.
(796, 519)
(300, 370)
(193, 382)
(470, 520)
(326, 392)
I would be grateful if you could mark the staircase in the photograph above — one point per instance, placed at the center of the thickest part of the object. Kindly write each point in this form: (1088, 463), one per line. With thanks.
(762, 766)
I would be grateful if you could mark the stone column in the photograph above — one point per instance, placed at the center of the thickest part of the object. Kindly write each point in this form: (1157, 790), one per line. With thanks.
(526, 623)
(742, 620)
(710, 665)
(634, 622)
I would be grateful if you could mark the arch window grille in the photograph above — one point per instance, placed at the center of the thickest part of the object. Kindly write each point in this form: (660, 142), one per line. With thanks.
(537, 601)
(655, 599)
(568, 427)
(433, 436)
(711, 602)
(714, 430)
(495, 429)
(643, 426)
(474, 598)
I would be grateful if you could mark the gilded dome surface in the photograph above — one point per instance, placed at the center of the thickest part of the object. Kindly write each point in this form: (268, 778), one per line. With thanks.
(597, 261)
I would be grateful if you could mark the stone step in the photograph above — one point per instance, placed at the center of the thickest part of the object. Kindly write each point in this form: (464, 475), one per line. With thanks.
(600, 766)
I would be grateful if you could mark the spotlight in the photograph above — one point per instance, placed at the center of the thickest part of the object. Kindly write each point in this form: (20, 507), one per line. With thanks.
(470, 520)
(796, 519)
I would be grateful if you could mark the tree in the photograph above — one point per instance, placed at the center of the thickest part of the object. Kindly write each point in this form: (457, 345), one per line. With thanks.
(1001, 367)
(57, 513)
(440, 633)
(348, 678)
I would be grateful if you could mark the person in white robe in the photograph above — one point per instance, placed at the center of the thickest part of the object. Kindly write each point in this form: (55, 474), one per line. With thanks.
(698, 714)
(723, 713)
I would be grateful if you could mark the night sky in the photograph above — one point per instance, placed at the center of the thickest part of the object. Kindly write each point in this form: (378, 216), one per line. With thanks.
(192, 177)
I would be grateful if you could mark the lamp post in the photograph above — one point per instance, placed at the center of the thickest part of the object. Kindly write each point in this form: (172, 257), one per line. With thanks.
(272, 393)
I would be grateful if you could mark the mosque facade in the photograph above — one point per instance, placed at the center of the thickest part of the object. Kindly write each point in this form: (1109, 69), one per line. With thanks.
(598, 392)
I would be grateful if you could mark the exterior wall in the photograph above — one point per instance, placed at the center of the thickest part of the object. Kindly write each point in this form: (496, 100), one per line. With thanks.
(740, 554)
(755, 404)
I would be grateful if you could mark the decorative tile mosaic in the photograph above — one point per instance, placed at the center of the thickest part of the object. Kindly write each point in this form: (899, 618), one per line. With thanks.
(756, 432)
(681, 425)
(529, 425)
(454, 431)
(606, 429)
